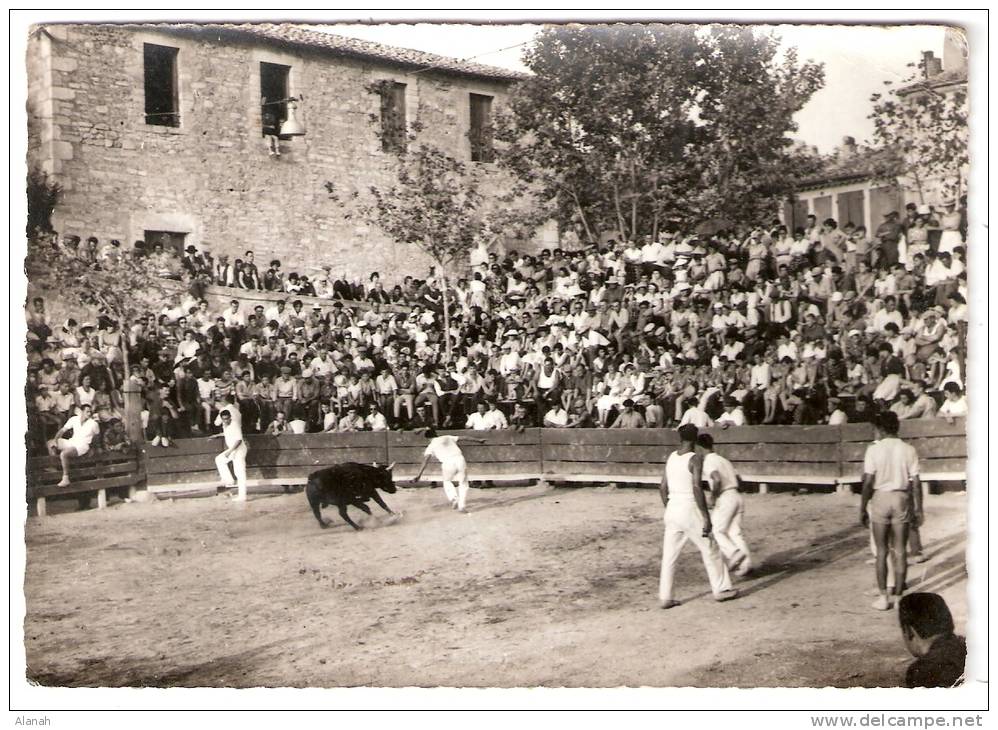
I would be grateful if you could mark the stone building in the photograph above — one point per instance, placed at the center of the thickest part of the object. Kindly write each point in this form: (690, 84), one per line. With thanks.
(849, 188)
(155, 132)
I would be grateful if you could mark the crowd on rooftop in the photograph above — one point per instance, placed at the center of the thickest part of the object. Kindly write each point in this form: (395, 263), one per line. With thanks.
(822, 324)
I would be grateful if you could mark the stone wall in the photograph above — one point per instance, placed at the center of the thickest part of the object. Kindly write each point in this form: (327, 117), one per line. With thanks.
(212, 177)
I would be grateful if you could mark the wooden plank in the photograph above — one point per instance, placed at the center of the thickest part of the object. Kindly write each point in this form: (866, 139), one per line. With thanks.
(84, 487)
(599, 469)
(605, 436)
(507, 437)
(775, 434)
(912, 428)
(655, 454)
(927, 448)
(94, 458)
(475, 471)
(101, 471)
(316, 458)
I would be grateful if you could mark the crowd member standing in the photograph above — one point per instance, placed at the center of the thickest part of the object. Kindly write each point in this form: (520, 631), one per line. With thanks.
(729, 507)
(234, 453)
(893, 493)
(687, 518)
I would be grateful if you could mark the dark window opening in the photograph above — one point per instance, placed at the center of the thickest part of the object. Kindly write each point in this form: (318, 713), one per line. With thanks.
(162, 99)
(273, 97)
(393, 117)
(480, 132)
(171, 241)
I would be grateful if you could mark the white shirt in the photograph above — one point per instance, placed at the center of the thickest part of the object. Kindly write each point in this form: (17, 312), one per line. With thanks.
(557, 416)
(445, 450)
(838, 418)
(762, 375)
(479, 421)
(954, 408)
(233, 434)
(496, 419)
(892, 462)
(725, 471)
(83, 433)
(234, 319)
(677, 473)
(735, 418)
(697, 417)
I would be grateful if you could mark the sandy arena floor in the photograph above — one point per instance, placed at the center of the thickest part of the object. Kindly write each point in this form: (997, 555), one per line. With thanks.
(537, 586)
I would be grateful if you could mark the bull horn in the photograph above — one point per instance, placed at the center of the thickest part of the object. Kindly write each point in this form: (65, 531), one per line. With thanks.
(391, 466)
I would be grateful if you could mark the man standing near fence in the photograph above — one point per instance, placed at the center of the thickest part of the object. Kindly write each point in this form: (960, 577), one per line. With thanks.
(453, 467)
(893, 493)
(687, 518)
(729, 507)
(235, 453)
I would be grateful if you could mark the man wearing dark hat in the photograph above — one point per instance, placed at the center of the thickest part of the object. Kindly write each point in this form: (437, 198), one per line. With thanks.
(888, 234)
(687, 518)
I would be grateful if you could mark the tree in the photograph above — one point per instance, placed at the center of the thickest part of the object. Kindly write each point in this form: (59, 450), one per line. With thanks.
(436, 204)
(122, 288)
(622, 127)
(927, 131)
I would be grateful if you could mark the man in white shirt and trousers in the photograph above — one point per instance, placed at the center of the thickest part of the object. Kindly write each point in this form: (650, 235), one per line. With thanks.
(891, 502)
(729, 507)
(235, 453)
(453, 467)
(687, 518)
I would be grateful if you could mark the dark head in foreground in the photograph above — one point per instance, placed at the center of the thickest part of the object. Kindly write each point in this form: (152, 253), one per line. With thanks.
(348, 484)
(927, 627)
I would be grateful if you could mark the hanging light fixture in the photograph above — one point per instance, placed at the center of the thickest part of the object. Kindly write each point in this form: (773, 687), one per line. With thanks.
(292, 127)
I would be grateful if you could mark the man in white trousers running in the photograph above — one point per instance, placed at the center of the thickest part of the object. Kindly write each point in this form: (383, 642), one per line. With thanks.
(453, 467)
(235, 452)
(687, 518)
(729, 507)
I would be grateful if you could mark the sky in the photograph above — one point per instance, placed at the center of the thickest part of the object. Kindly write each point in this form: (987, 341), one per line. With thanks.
(858, 60)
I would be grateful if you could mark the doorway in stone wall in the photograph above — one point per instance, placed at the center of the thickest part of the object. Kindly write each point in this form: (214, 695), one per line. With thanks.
(170, 240)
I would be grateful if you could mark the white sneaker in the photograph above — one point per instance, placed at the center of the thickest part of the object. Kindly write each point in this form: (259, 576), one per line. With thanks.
(882, 603)
(165, 443)
(64, 482)
(156, 441)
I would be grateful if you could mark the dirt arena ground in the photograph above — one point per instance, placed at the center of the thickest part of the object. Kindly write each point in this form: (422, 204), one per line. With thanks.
(537, 586)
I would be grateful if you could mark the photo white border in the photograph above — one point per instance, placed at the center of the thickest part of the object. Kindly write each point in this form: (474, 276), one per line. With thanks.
(33, 701)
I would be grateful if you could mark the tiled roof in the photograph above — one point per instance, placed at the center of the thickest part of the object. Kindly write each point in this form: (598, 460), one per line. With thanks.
(864, 163)
(299, 35)
(943, 78)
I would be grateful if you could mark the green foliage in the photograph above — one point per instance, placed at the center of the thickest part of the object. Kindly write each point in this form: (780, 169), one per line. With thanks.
(43, 196)
(123, 287)
(626, 127)
(927, 131)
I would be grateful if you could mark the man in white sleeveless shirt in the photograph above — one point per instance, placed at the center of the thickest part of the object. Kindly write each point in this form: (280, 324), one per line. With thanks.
(729, 507)
(687, 518)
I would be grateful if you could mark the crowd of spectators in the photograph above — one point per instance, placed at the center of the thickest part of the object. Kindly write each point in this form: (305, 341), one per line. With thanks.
(821, 324)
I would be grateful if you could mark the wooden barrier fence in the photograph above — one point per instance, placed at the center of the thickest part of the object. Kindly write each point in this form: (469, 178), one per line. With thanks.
(91, 475)
(820, 455)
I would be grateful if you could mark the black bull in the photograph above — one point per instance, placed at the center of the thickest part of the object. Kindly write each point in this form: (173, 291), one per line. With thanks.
(348, 484)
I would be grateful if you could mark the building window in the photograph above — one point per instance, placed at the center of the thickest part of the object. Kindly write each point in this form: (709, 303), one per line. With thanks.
(274, 94)
(162, 99)
(481, 128)
(170, 241)
(393, 126)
